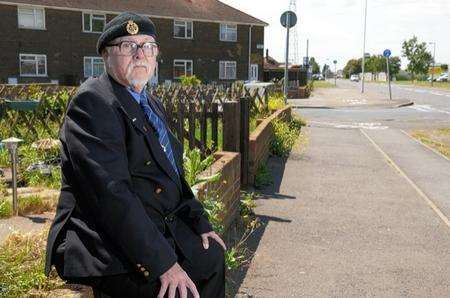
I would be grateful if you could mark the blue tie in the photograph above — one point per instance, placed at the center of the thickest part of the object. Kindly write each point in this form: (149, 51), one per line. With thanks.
(163, 136)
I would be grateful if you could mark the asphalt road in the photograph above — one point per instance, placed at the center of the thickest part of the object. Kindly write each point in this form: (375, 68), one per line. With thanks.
(363, 211)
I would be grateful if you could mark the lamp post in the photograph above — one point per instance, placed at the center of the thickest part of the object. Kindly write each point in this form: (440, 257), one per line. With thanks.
(335, 73)
(364, 47)
(434, 61)
(12, 144)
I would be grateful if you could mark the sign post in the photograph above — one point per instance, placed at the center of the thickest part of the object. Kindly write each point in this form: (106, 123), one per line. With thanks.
(387, 54)
(288, 20)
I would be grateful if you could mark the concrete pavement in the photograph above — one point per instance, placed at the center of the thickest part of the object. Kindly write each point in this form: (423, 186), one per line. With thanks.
(341, 221)
(345, 95)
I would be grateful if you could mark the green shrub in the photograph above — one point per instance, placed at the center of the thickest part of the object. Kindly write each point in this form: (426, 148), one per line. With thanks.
(233, 259)
(190, 80)
(37, 179)
(285, 135)
(4, 158)
(263, 176)
(5, 207)
(276, 101)
(193, 165)
(214, 209)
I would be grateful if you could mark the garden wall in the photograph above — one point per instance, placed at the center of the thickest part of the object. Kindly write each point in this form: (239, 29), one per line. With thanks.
(260, 140)
(228, 186)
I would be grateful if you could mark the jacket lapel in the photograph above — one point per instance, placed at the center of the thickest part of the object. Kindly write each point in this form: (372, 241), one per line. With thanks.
(134, 112)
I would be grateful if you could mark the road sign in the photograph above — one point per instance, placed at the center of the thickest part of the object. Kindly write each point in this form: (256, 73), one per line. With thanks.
(366, 55)
(387, 53)
(292, 19)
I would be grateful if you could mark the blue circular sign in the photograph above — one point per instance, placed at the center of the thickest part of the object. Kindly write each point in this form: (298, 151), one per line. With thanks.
(292, 19)
(387, 53)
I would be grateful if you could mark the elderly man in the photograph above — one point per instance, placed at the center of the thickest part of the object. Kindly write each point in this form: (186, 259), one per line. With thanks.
(127, 223)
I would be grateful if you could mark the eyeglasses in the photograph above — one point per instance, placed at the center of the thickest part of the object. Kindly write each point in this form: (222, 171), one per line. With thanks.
(129, 48)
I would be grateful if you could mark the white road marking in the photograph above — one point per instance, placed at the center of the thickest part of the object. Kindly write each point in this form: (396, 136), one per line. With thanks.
(427, 200)
(428, 109)
(354, 125)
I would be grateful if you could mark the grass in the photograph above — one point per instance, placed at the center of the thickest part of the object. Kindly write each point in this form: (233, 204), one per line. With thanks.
(21, 266)
(323, 84)
(425, 84)
(438, 139)
(285, 135)
(31, 204)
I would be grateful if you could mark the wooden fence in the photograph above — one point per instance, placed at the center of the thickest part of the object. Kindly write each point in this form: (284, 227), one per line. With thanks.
(203, 117)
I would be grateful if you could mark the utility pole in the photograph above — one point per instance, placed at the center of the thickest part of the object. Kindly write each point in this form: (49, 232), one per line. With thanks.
(364, 48)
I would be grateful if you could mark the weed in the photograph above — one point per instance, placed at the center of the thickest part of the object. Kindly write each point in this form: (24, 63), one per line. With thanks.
(263, 176)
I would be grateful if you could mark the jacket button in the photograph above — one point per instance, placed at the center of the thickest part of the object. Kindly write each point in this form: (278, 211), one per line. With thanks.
(143, 269)
(148, 163)
(144, 128)
(146, 273)
(139, 265)
(158, 190)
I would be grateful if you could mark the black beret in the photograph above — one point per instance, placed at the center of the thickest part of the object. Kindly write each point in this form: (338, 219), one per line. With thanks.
(126, 23)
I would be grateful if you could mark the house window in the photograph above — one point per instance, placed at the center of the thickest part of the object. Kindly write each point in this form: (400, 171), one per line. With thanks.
(31, 18)
(33, 65)
(93, 22)
(227, 70)
(93, 66)
(228, 32)
(182, 68)
(182, 29)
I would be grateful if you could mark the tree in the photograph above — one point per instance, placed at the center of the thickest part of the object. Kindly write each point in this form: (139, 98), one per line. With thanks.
(418, 56)
(444, 67)
(314, 66)
(395, 65)
(353, 67)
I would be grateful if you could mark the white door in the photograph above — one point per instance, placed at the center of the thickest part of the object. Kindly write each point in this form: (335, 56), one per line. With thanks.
(253, 72)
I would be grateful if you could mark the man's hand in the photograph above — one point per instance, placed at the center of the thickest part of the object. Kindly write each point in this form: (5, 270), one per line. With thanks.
(176, 278)
(213, 235)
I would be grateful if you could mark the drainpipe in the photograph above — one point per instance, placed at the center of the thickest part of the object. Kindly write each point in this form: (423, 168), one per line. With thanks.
(249, 51)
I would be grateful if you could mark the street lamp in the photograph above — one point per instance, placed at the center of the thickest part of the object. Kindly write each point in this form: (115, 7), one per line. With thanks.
(12, 144)
(434, 61)
(364, 47)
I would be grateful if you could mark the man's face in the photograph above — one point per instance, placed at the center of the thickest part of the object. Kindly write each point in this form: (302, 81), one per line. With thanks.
(131, 70)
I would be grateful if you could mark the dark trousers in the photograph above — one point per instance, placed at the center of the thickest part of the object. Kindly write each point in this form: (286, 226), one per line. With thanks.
(207, 272)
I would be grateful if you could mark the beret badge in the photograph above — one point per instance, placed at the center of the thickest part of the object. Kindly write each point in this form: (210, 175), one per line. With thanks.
(132, 27)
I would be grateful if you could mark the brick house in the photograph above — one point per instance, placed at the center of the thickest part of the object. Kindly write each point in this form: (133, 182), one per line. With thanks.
(54, 41)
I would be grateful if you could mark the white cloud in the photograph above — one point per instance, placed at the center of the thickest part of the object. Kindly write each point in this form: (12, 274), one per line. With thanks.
(335, 27)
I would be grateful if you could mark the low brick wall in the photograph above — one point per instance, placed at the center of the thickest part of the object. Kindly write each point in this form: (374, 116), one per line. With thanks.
(260, 140)
(229, 185)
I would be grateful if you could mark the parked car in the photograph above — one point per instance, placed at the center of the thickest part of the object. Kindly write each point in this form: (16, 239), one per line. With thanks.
(442, 78)
(318, 77)
(354, 78)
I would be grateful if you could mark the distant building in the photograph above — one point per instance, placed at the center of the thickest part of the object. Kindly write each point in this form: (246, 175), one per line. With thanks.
(54, 41)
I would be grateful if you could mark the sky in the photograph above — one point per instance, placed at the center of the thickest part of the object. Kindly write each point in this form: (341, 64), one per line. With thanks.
(335, 27)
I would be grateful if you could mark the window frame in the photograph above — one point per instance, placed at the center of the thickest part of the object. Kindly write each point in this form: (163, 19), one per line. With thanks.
(91, 17)
(36, 74)
(225, 63)
(19, 7)
(91, 58)
(186, 22)
(185, 66)
(224, 29)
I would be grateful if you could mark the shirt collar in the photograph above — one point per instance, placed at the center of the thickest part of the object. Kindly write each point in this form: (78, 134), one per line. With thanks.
(137, 96)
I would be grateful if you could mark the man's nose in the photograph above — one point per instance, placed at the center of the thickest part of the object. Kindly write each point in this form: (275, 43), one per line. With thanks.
(139, 54)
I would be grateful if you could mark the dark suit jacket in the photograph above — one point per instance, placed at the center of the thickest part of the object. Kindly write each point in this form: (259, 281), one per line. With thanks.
(122, 207)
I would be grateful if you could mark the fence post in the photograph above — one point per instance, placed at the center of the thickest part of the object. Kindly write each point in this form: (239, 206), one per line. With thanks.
(231, 126)
(245, 138)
